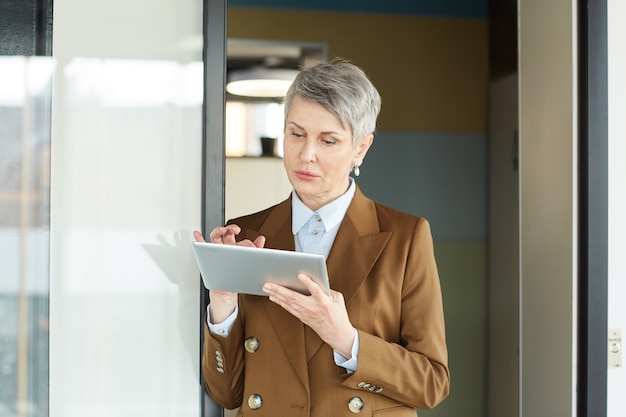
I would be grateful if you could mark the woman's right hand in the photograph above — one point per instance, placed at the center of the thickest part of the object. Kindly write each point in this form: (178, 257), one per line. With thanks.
(223, 303)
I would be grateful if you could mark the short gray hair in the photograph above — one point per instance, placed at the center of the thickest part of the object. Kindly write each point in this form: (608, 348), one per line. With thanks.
(344, 90)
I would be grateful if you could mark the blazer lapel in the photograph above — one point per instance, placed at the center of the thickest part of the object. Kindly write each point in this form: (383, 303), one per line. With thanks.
(356, 249)
(276, 228)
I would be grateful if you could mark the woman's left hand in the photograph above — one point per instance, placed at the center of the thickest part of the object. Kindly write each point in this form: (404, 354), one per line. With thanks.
(325, 313)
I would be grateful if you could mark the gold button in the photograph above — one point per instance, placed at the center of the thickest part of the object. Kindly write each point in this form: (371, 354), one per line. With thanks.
(356, 404)
(255, 401)
(251, 344)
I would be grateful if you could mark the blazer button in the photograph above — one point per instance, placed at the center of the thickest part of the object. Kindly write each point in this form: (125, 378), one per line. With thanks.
(255, 401)
(356, 404)
(251, 344)
(219, 359)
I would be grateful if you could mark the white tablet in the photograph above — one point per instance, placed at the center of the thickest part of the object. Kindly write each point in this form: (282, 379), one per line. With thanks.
(244, 269)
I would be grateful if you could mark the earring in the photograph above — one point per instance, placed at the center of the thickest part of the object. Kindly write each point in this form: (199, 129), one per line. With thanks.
(357, 171)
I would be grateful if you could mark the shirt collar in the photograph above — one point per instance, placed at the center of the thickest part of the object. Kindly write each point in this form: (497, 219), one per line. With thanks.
(332, 213)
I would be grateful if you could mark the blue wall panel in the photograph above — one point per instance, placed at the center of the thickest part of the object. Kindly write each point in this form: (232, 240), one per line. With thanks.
(439, 176)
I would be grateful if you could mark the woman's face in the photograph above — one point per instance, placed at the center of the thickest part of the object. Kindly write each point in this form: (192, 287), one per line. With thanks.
(319, 153)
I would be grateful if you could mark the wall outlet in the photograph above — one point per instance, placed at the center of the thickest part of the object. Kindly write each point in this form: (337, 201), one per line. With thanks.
(615, 348)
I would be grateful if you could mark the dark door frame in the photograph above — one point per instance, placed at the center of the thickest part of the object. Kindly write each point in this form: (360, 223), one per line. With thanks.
(593, 208)
(213, 155)
(26, 28)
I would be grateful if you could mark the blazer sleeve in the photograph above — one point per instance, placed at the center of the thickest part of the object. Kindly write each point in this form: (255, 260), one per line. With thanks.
(223, 365)
(414, 370)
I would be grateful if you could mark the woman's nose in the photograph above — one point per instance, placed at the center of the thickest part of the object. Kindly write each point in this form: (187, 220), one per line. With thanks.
(307, 152)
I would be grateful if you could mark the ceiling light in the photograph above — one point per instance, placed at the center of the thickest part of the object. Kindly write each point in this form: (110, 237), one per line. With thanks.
(260, 82)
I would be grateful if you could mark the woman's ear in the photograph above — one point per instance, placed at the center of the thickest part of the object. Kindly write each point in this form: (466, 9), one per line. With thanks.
(363, 146)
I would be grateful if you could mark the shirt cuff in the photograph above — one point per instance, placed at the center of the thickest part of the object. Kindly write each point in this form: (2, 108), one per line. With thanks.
(223, 328)
(350, 364)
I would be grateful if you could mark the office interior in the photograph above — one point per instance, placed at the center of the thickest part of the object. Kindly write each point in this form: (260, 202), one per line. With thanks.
(501, 124)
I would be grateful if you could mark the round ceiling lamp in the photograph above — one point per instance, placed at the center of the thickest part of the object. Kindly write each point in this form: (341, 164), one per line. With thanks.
(260, 82)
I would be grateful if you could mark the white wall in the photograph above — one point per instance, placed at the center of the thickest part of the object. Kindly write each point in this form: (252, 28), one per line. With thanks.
(253, 184)
(548, 137)
(125, 186)
(616, 383)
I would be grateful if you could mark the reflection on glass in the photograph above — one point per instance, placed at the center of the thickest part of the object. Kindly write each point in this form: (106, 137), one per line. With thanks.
(125, 83)
(24, 234)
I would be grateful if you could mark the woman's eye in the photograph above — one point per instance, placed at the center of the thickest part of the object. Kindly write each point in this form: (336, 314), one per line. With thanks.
(297, 135)
(329, 141)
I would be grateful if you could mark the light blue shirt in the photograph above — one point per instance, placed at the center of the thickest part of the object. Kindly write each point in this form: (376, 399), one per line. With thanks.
(314, 232)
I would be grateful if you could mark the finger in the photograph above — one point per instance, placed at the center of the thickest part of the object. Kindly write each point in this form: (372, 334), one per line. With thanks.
(280, 295)
(216, 235)
(231, 231)
(311, 285)
(246, 242)
(225, 234)
(259, 242)
(198, 236)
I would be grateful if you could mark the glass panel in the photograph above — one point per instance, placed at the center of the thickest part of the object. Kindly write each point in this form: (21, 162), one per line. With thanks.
(126, 192)
(24, 234)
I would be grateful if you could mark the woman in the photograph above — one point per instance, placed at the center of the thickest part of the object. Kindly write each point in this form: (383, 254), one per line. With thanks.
(376, 344)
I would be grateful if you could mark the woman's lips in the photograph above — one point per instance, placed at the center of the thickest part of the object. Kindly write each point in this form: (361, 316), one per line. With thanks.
(305, 175)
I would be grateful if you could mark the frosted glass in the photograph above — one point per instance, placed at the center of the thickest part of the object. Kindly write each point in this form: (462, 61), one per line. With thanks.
(126, 190)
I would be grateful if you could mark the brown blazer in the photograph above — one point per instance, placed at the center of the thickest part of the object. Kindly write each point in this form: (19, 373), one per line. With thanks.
(382, 261)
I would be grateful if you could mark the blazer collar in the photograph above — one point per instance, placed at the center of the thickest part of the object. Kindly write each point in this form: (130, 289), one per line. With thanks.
(359, 237)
